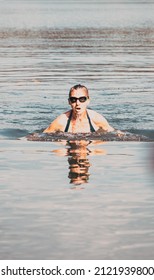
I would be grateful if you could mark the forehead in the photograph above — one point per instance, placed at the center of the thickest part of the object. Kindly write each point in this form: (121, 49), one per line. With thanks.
(79, 92)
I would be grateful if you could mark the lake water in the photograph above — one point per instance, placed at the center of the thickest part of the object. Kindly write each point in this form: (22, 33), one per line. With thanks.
(76, 199)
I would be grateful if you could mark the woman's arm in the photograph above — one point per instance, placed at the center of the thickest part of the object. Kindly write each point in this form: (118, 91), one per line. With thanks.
(57, 125)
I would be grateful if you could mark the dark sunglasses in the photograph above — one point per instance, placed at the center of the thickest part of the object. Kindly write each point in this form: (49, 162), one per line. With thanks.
(81, 99)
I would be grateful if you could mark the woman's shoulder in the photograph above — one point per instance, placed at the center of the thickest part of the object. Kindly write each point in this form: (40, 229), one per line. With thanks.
(100, 121)
(94, 115)
(64, 115)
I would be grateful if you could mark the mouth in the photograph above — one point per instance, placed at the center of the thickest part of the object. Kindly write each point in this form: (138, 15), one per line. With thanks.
(77, 109)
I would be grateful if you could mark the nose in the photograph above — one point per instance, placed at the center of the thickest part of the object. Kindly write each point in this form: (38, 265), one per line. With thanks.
(77, 101)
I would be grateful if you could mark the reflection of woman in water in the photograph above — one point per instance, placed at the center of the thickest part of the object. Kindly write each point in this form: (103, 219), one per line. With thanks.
(78, 161)
(77, 152)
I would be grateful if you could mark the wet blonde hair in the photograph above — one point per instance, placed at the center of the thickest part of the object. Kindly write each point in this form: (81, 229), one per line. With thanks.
(77, 87)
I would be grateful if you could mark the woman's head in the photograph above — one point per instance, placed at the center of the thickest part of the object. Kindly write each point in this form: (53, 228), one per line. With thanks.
(78, 98)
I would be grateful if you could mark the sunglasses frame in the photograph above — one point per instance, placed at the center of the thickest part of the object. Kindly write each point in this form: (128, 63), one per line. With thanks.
(80, 98)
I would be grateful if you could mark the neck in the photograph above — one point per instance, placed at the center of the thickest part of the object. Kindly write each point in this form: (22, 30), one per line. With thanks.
(77, 116)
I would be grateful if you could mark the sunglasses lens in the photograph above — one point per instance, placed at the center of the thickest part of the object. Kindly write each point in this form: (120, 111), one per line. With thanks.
(73, 99)
(82, 99)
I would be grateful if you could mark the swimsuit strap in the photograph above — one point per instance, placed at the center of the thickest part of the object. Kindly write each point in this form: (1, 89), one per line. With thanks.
(68, 122)
(91, 126)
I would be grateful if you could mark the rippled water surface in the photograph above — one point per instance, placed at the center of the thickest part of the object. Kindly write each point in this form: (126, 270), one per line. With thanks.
(91, 203)
(76, 199)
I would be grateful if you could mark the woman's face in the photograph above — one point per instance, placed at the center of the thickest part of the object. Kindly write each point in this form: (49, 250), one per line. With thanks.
(80, 104)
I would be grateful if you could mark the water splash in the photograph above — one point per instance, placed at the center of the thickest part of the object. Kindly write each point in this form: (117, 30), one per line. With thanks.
(112, 136)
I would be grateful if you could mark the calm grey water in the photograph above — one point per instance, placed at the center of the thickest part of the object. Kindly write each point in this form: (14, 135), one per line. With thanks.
(76, 200)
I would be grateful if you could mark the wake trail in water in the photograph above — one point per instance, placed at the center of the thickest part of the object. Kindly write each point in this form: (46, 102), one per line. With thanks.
(112, 136)
(130, 135)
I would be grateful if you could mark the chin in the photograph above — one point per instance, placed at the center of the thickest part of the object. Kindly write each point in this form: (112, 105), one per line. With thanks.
(79, 112)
